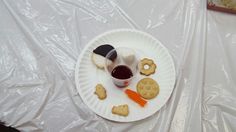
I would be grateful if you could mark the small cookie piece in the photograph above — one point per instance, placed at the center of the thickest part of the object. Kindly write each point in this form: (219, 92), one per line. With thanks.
(100, 92)
(148, 88)
(148, 66)
(122, 110)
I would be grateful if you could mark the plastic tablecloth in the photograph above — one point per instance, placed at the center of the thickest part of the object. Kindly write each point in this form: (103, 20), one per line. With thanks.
(40, 42)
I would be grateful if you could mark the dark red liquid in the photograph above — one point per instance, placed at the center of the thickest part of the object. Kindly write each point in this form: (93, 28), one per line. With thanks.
(121, 72)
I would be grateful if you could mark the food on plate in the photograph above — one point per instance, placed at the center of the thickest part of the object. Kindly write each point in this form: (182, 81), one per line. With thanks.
(135, 97)
(148, 88)
(99, 61)
(148, 66)
(121, 72)
(99, 55)
(100, 92)
(122, 110)
(128, 57)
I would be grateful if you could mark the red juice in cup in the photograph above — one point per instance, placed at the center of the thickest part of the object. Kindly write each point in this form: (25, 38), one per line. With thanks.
(123, 68)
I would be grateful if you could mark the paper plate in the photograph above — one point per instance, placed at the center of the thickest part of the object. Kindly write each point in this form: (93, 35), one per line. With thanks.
(87, 75)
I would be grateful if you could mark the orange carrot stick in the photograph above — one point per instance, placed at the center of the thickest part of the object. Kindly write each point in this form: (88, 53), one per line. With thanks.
(135, 97)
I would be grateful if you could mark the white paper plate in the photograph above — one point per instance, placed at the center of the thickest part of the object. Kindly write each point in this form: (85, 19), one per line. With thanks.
(87, 75)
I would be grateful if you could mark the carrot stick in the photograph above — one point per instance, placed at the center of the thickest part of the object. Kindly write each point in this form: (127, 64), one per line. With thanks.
(135, 97)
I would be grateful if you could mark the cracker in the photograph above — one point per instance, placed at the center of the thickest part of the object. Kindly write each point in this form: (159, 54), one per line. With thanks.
(148, 88)
(122, 110)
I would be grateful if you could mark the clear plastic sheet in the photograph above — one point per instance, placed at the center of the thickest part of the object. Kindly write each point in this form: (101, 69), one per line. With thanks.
(219, 100)
(40, 42)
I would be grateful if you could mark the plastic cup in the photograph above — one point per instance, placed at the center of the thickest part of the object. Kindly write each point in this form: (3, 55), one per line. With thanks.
(121, 65)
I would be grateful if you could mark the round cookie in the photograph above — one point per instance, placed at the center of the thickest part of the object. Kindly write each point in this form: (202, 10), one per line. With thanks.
(148, 88)
(99, 55)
